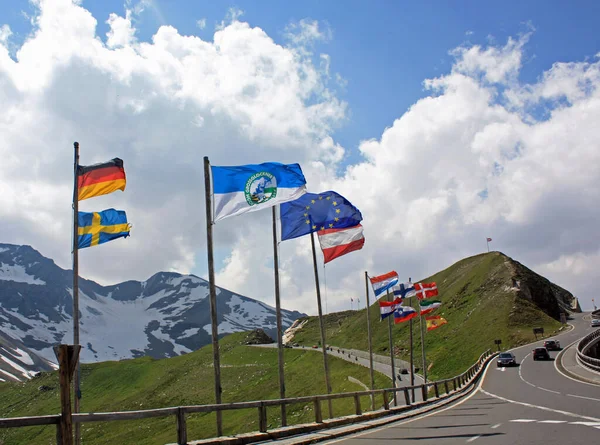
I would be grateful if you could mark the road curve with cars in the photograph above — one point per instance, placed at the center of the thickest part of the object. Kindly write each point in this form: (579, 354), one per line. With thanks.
(531, 403)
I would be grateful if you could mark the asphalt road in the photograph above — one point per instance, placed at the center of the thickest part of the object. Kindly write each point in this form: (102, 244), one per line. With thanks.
(529, 404)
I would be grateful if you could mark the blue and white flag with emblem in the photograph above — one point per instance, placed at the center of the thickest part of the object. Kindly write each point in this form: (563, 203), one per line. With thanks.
(246, 188)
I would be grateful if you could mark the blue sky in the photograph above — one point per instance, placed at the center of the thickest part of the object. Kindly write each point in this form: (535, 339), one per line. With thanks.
(501, 148)
(383, 49)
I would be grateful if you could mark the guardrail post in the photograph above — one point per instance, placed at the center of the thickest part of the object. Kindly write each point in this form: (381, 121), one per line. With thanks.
(454, 383)
(424, 391)
(357, 405)
(435, 388)
(262, 418)
(446, 386)
(181, 427)
(318, 413)
(386, 402)
(406, 396)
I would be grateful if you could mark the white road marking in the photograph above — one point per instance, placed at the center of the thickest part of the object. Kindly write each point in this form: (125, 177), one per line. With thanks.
(473, 438)
(523, 420)
(566, 413)
(496, 426)
(552, 421)
(582, 397)
(549, 390)
(594, 424)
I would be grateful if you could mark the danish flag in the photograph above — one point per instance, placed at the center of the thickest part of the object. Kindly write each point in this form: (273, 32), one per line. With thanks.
(426, 290)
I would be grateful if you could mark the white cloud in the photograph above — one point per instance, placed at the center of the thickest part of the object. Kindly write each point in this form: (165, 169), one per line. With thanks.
(482, 155)
(201, 23)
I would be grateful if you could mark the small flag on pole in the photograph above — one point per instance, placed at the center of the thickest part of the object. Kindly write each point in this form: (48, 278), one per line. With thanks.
(428, 306)
(404, 313)
(100, 227)
(434, 322)
(387, 308)
(381, 283)
(489, 239)
(337, 242)
(426, 290)
(100, 179)
(404, 290)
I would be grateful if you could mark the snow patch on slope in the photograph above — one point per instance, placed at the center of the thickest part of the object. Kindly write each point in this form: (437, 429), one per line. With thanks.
(17, 273)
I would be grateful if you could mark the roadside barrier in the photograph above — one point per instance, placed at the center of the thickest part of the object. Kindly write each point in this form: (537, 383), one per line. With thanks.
(431, 392)
(584, 345)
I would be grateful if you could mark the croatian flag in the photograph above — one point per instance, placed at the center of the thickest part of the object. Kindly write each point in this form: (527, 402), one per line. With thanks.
(387, 308)
(246, 188)
(404, 290)
(404, 313)
(338, 242)
(384, 282)
(426, 290)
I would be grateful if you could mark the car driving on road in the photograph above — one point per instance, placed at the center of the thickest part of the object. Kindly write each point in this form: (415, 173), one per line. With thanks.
(506, 359)
(552, 345)
(595, 322)
(541, 353)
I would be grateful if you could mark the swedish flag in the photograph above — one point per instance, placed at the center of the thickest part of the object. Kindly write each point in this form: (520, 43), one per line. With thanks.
(100, 227)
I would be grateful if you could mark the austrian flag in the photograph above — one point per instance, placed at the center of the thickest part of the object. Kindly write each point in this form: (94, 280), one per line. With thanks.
(426, 290)
(338, 242)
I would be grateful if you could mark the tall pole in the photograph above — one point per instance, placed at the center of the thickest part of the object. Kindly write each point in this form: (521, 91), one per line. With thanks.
(323, 344)
(488, 245)
(412, 364)
(213, 293)
(392, 350)
(370, 341)
(278, 316)
(76, 389)
(423, 345)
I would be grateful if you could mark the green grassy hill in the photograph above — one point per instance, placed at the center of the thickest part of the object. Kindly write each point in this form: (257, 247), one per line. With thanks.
(481, 302)
(247, 373)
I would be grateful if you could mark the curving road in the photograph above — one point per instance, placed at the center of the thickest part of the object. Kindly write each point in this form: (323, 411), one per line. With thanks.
(530, 404)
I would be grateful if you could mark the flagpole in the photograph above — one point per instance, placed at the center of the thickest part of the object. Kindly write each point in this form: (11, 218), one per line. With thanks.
(213, 293)
(412, 364)
(392, 351)
(488, 245)
(423, 344)
(278, 316)
(369, 339)
(77, 376)
(323, 344)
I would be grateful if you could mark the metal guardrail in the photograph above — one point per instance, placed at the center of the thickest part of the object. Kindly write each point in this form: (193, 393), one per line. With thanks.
(584, 345)
(441, 389)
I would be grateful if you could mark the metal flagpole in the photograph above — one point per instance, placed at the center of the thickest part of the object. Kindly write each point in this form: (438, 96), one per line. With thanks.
(213, 293)
(323, 344)
(278, 315)
(392, 350)
(370, 341)
(325, 282)
(412, 364)
(423, 344)
(77, 376)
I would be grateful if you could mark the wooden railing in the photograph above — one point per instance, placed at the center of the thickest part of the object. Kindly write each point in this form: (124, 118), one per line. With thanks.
(430, 391)
(584, 345)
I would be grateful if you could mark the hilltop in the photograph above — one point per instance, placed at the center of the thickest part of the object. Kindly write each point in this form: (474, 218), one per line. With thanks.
(484, 297)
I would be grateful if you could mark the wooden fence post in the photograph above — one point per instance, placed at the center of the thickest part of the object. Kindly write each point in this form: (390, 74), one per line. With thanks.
(357, 405)
(406, 396)
(318, 413)
(181, 427)
(436, 389)
(262, 418)
(386, 402)
(446, 386)
(424, 392)
(67, 356)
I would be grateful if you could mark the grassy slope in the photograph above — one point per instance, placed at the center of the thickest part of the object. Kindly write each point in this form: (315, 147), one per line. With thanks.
(247, 373)
(478, 304)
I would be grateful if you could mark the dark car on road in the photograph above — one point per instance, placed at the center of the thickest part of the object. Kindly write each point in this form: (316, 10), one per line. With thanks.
(506, 359)
(541, 354)
(552, 345)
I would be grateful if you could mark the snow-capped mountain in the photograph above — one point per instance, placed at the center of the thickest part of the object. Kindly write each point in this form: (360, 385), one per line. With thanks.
(164, 316)
(17, 362)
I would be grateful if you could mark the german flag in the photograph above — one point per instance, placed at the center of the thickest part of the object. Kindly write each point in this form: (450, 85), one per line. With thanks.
(100, 179)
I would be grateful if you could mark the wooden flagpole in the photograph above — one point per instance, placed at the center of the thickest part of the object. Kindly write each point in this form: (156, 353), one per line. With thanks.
(76, 389)
(323, 340)
(278, 316)
(392, 350)
(370, 341)
(213, 293)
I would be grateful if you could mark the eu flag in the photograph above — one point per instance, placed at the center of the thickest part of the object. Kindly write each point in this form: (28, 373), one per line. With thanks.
(313, 212)
(100, 227)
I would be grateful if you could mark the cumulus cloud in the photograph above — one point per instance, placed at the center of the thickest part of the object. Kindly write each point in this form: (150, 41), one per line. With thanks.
(482, 155)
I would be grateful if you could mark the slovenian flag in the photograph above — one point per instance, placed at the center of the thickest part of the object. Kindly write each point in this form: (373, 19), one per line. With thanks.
(404, 290)
(387, 308)
(384, 282)
(404, 313)
(428, 306)
(337, 242)
(246, 188)
(426, 290)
